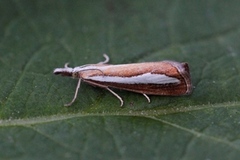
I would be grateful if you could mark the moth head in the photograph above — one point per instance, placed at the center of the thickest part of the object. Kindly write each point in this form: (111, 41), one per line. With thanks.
(66, 71)
(63, 71)
(75, 74)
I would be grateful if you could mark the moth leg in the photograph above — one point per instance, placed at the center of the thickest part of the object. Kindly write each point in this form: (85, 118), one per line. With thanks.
(147, 98)
(75, 95)
(106, 59)
(116, 95)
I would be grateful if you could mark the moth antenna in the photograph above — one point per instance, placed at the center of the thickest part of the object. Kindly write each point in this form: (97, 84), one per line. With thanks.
(94, 69)
(66, 65)
(106, 59)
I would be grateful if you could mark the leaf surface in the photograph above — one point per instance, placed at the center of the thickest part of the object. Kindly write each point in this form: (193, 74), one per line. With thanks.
(38, 36)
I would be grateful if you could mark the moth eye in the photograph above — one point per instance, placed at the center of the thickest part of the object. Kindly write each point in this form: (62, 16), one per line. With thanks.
(74, 74)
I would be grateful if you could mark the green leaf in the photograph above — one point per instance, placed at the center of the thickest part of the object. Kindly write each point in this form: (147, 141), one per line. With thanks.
(38, 36)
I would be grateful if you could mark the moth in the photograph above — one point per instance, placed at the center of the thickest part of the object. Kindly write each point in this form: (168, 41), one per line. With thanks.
(166, 78)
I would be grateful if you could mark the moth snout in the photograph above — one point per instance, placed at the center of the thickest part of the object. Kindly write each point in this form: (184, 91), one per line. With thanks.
(63, 72)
